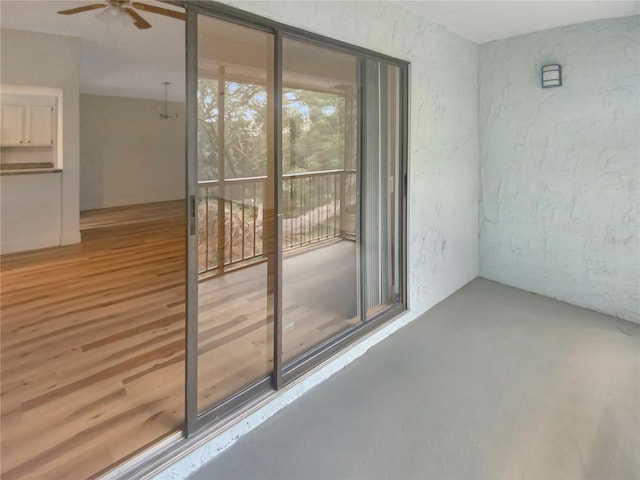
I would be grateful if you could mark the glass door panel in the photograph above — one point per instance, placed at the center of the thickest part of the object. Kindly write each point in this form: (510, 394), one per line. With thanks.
(319, 201)
(234, 208)
(381, 187)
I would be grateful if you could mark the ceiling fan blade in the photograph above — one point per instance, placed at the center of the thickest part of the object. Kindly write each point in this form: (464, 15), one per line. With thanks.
(140, 22)
(86, 8)
(159, 10)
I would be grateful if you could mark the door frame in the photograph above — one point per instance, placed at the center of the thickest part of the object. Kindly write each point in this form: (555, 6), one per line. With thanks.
(194, 420)
(282, 375)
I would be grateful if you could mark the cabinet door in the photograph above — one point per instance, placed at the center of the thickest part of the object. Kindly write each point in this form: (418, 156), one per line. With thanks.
(12, 125)
(40, 126)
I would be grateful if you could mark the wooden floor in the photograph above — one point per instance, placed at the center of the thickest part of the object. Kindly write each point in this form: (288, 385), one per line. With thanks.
(131, 214)
(92, 339)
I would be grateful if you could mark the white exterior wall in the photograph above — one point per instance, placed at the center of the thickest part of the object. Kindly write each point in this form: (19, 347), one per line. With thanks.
(561, 166)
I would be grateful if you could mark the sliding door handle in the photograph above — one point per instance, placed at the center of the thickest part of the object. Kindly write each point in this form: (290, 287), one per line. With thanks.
(192, 215)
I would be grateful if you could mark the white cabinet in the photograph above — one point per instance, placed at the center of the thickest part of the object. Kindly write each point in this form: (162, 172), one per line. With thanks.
(39, 125)
(12, 125)
(27, 125)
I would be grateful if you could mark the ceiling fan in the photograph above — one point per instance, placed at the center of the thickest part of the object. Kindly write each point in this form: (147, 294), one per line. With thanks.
(125, 9)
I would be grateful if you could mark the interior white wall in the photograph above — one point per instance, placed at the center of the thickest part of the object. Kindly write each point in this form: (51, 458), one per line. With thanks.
(53, 61)
(560, 167)
(30, 211)
(23, 155)
(128, 154)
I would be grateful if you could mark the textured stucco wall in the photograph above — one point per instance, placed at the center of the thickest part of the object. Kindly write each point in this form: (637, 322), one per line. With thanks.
(560, 167)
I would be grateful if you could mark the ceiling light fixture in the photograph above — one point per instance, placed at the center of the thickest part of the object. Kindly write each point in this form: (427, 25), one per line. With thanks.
(164, 112)
(114, 14)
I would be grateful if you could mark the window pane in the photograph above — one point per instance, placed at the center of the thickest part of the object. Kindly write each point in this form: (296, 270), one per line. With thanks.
(235, 209)
(318, 195)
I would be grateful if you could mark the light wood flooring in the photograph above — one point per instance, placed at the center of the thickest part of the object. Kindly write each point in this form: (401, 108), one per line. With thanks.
(92, 338)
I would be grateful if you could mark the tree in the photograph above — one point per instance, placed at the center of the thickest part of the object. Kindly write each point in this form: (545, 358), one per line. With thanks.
(244, 132)
(313, 130)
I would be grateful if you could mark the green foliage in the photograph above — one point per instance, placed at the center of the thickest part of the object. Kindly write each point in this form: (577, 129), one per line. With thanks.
(313, 130)
(245, 136)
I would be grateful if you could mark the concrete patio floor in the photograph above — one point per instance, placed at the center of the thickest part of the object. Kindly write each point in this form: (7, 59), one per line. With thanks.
(493, 382)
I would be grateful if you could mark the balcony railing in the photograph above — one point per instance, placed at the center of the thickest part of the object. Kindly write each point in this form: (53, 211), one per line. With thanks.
(316, 206)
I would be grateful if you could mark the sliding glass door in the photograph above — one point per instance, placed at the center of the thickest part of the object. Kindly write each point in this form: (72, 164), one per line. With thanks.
(296, 167)
(319, 201)
(296, 150)
(234, 209)
(381, 187)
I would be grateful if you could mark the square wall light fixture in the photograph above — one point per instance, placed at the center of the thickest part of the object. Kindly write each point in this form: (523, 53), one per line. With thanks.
(552, 76)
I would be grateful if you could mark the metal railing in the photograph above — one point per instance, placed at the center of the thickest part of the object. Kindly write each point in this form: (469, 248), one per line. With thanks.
(316, 206)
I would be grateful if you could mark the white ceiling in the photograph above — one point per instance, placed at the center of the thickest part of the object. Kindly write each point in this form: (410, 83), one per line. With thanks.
(115, 59)
(484, 21)
(124, 61)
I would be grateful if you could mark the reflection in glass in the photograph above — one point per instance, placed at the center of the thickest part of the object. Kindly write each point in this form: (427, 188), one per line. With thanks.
(318, 195)
(235, 209)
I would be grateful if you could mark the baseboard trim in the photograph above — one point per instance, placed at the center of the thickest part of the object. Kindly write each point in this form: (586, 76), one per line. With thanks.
(70, 238)
(33, 243)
